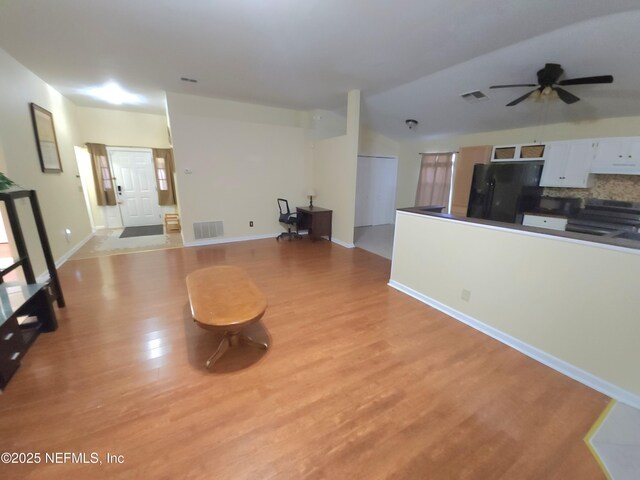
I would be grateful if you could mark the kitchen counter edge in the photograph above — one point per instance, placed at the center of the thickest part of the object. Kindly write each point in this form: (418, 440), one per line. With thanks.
(595, 239)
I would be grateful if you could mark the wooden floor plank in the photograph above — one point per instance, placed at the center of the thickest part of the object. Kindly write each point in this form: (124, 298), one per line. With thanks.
(360, 381)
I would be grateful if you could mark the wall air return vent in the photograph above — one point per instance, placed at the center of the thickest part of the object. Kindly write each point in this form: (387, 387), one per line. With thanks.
(474, 97)
(203, 230)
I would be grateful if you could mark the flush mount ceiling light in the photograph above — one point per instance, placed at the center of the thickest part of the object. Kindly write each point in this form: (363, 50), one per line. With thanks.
(411, 123)
(113, 93)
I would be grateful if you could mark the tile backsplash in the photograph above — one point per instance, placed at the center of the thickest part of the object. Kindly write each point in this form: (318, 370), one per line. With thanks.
(609, 187)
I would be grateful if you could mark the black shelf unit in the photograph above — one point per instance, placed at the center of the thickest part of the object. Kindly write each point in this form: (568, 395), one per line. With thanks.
(30, 300)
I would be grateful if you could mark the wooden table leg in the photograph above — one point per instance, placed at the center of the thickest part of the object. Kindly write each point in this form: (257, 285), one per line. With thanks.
(222, 347)
(252, 342)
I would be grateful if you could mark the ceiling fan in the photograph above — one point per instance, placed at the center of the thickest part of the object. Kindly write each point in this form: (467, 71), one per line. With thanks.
(549, 85)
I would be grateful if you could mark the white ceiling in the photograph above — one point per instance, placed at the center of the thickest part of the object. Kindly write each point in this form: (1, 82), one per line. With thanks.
(410, 58)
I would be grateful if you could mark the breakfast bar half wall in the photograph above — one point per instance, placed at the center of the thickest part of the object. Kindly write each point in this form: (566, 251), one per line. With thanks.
(571, 304)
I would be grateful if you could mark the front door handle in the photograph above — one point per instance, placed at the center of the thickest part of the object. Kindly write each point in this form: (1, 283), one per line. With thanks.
(119, 190)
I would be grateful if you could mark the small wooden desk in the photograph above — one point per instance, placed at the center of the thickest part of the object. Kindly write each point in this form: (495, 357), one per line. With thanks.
(316, 220)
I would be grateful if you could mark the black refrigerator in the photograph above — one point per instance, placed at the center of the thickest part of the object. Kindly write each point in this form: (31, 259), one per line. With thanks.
(503, 191)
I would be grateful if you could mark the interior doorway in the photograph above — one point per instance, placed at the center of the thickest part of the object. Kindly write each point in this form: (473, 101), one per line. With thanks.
(376, 181)
(135, 185)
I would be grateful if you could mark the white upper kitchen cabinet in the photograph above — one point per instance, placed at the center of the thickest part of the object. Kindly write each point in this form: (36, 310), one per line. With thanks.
(617, 156)
(568, 164)
(518, 153)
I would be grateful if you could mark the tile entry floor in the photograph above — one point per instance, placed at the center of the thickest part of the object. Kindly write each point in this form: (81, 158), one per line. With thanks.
(376, 239)
(106, 242)
(617, 442)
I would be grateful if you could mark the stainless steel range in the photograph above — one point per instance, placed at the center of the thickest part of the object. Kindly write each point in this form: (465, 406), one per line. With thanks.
(608, 217)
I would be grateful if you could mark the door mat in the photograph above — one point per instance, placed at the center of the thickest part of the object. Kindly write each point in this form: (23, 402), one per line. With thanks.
(142, 231)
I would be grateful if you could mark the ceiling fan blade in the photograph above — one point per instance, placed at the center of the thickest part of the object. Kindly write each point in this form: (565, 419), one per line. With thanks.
(565, 96)
(518, 85)
(587, 80)
(520, 99)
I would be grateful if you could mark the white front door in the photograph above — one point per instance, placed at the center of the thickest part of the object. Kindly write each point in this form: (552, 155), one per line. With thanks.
(135, 186)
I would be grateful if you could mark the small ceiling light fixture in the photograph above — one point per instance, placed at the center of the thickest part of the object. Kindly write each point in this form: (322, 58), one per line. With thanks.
(544, 93)
(411, 123)
(113, 93)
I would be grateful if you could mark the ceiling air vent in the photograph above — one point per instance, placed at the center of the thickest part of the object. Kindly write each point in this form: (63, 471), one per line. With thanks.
(474, 97)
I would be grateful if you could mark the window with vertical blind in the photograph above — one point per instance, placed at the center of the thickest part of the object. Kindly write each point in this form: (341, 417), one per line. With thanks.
(161, 173)
(165, 168)
(105, 171)
(102, 177)
(434, 183)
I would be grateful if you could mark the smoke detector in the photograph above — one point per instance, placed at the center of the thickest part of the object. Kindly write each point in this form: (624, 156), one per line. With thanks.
(411, 123)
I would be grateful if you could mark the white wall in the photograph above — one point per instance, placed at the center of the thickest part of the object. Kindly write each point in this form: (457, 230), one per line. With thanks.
(577, 302)
(242, 157)
(60, 194)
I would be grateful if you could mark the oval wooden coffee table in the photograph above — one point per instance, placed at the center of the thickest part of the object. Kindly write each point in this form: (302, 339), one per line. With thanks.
(224, 298)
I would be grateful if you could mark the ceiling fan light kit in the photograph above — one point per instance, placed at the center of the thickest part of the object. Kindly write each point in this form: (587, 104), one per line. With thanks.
(549, 85)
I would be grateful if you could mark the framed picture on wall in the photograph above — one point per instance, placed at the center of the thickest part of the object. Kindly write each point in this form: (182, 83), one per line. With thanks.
(46, 139)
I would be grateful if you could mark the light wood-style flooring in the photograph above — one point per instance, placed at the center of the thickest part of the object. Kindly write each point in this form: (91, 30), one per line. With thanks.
(360, 381)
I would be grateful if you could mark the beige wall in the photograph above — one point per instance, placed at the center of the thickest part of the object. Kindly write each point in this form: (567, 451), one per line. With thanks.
(408, 172)
(409, 160)
(60, 194)
(586, 316)
(242, 157)
(335, 164)
(116, 128)
(323, 124)
(194, 106)
(331, 186)
(376, 145)
(122, 129)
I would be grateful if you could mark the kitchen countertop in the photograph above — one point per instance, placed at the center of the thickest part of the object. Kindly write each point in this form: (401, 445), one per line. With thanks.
(597, 239)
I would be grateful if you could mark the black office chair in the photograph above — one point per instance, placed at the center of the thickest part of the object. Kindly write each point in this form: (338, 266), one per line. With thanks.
(288, 219)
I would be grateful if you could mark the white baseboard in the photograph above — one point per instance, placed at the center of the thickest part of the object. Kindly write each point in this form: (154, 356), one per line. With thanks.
(343, 244)
(44, 276)
(561, 366)
(215, 241)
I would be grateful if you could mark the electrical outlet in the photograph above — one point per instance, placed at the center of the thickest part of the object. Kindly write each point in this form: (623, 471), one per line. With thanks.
(251, 223)
(466, 295)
